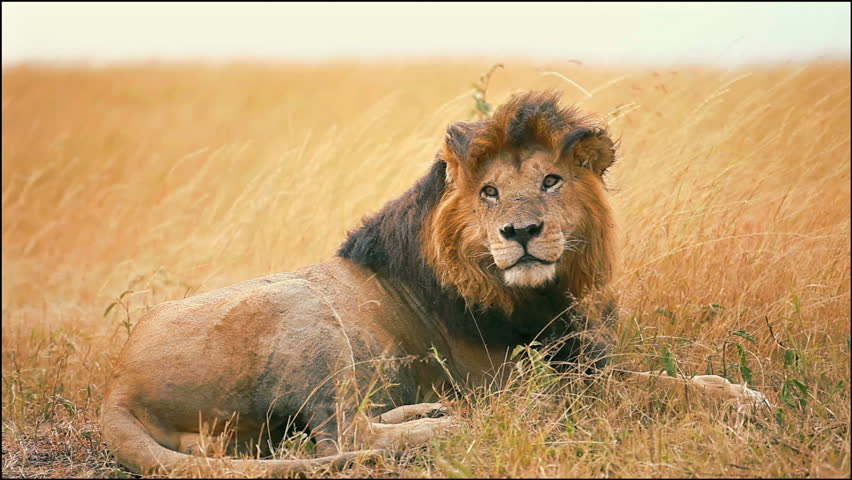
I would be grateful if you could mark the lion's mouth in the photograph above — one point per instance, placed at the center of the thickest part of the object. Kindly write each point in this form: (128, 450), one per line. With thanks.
(528, 259)
(530, 271)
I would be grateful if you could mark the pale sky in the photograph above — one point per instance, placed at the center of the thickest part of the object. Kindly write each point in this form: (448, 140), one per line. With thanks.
(651, 33)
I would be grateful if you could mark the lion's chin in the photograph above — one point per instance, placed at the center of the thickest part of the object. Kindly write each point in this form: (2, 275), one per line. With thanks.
(529, 275)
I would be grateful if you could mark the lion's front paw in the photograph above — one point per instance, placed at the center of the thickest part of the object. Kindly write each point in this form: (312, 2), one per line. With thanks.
(744, 396)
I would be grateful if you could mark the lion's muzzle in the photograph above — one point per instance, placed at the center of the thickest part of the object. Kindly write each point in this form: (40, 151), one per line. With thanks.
(527, 253)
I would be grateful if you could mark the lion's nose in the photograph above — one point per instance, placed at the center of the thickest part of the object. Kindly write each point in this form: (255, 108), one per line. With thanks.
(521, 235)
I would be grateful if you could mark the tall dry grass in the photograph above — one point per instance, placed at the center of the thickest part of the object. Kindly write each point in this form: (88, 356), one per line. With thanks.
(126, 186)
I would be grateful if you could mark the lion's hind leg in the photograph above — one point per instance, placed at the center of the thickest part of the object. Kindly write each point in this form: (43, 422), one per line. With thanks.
(405, 427)
(398, 429)
(412, 433)
(411, 412)
(193, 444)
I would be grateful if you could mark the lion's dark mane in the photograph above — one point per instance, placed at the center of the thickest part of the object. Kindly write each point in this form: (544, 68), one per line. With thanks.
(389, 243)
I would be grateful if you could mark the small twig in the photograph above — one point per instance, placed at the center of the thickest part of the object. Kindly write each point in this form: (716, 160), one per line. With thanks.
(482, 107)
(771, 332)
(791, 447)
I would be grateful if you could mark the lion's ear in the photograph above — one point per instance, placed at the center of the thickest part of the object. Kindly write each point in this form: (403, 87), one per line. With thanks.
(457, 148)
(589, 148)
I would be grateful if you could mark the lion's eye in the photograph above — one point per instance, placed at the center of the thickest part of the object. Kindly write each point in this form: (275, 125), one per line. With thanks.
(550, 181)
(489, 191)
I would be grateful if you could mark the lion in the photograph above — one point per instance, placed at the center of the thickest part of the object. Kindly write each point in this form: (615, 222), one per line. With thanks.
(494, 247)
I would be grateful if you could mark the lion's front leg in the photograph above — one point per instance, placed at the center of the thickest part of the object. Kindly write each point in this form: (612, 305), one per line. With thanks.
(719, 386)
(574, 342)
(711, 385)
(585, 352)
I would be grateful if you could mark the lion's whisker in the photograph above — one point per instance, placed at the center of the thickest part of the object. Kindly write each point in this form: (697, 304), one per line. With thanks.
(573, 244)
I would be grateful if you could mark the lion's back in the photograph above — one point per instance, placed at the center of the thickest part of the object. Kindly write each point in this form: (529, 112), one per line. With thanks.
(314, 320)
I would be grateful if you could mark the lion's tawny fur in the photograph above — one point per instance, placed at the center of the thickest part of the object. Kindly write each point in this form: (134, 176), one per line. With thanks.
(416, 277)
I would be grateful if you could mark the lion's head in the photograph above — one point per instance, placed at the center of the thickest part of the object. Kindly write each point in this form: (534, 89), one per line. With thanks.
(524, 204)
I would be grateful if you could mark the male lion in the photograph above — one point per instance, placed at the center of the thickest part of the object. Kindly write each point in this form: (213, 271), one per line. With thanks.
(490, 249)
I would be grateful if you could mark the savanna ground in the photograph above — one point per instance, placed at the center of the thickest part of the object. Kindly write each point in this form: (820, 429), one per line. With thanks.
(126, 186)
